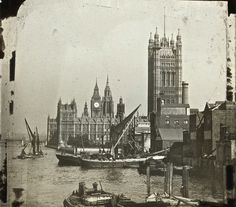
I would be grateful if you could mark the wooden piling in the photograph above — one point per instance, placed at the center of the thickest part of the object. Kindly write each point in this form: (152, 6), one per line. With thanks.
(170, 179)
(230, 185)
(168, 182)
(224, 185)
(148, 178)
(165, 179)
(213, 179)
(185, 181)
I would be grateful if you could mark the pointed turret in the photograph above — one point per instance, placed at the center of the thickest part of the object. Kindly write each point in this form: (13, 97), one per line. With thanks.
(73, 105)
(107, 80)
(178, 37)
(120, 110)
(108, 106)
(96, 91)
(96, 85)
(150, 39)
(85, 113)
(178, 42)
(107, 91)
(172, 43)
(156, 39)
(156, 36)
(59, 102)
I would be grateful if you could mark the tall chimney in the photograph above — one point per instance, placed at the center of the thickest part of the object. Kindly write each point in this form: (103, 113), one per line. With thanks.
(185, 93)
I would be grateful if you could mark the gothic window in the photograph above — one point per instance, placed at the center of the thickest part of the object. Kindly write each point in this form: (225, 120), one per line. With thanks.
(11, 107)
(168, 101)
(173, 79)
(163, 79)
(168, 78)
(12, 66)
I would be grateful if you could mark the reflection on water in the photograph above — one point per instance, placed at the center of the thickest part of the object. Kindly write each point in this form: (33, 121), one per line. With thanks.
(115, 175)
(46, 184)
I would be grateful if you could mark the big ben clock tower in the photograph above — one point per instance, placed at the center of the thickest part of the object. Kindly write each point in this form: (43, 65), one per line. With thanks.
(96, 103)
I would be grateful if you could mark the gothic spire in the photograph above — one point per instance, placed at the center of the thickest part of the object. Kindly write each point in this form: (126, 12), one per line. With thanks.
(85, 113)
(107, 91)
(96, 85)
(172, 40)
(96, 90)
(59, 102)
(107, 80)
(150, 39)
(156, 35)
(178, 37)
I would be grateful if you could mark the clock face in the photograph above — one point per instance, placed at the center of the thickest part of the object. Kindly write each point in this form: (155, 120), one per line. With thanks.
(96, 104)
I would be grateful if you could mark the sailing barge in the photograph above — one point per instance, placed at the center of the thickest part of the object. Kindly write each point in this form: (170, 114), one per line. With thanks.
(113, 159)
(34, 144)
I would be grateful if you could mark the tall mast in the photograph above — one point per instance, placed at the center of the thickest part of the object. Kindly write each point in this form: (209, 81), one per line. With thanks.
(37, 139)
(32, 135)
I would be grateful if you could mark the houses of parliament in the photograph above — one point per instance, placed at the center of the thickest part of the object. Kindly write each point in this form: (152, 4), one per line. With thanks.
(168, 105)
(95, 125)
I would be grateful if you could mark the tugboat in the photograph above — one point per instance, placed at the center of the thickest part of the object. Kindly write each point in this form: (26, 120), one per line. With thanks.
(34, 145)
(93, 197)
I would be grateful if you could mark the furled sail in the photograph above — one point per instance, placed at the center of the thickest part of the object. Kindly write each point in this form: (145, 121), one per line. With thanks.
(33, 140)
(116, 131)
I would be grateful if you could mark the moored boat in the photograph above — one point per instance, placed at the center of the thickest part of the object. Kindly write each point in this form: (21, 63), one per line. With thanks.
(34, 145)
(117, 163)
(30, 156)
(105, 162)
(167, 200)
(93, 197)
(112, 159)
(68, 159)
(160, 169)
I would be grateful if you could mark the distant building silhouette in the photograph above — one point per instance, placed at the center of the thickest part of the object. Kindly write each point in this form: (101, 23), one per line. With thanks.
(95, 127)
(120, 110)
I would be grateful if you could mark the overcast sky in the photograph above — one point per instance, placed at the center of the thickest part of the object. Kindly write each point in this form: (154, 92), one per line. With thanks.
(64, 45)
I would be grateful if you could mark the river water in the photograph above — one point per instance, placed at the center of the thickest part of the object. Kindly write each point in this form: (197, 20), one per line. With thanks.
(46, 184)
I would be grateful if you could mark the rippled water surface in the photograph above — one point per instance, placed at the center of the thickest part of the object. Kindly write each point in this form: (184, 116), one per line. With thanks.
(46, 184)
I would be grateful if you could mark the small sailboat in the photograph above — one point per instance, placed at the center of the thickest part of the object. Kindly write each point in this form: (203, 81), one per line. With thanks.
(34, 145)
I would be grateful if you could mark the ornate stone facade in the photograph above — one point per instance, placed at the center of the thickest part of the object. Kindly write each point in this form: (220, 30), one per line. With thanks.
(168, 107)
(165, 72)
(94, 128)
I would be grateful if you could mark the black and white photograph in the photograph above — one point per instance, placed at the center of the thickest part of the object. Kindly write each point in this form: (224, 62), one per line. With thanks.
(117, 103)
